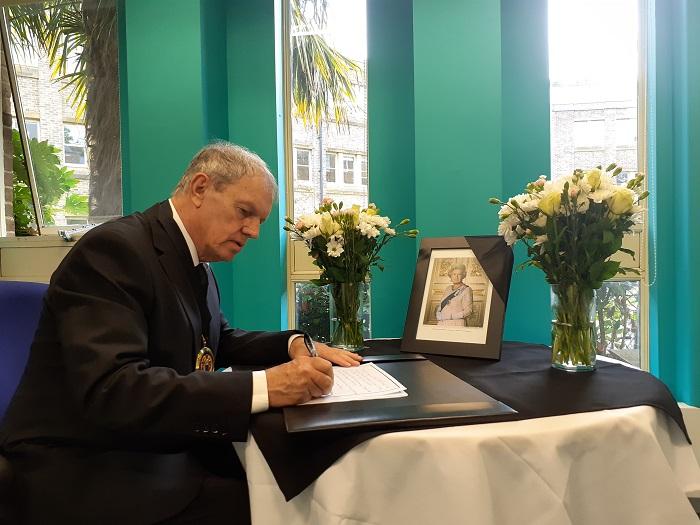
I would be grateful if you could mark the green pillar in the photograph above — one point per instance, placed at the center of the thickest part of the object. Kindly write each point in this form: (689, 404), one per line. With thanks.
(391, 160)
(674, 164)
(526, 149)
(162, 96)
(457, 67)
(255, 120)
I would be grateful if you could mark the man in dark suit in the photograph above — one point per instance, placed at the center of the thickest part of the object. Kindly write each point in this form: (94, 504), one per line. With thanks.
(120, 416)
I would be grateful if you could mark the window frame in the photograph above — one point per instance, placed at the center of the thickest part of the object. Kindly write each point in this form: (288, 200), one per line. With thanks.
(639, 231)
(84, 146)
(327, 156)
(299, 264)
(349, 157)
(297, 150)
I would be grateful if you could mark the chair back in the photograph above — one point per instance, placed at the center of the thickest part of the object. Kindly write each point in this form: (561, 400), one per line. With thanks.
(20, 307)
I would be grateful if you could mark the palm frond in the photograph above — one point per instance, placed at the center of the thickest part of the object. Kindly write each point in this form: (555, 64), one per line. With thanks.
(322, 77)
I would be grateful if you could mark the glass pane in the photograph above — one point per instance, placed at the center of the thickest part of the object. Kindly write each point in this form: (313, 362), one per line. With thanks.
(617, 321)
(348, 170)
(330, 167)
(78, 172)
(333, 32)
(312, 310)
(593, 84)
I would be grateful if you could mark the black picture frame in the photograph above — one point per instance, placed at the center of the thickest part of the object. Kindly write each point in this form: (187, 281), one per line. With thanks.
(487, 264)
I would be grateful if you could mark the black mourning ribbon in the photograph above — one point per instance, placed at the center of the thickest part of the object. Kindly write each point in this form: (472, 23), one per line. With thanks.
(201, 288)
(496, 258)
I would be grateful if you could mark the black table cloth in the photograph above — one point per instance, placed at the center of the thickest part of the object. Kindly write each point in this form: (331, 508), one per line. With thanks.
(522, 379)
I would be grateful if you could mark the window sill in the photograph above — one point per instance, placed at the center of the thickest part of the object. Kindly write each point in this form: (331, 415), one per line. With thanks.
(37, 241)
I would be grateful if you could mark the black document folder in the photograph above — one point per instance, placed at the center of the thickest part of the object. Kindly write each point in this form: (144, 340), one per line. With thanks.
(434, 397)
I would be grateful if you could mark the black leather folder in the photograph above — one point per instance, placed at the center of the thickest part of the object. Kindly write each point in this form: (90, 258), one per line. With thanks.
(434, 396)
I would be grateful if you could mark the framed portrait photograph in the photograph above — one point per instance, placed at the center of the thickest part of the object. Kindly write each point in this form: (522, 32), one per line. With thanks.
(459, 297)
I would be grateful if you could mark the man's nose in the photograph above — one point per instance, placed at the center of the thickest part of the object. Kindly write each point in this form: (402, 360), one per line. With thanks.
(252, 229)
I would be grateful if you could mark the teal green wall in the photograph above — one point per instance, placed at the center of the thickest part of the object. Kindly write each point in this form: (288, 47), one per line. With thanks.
(674, 165)
(162, 96)
(526, 149)
(206, 70)
(458, 111)
(457, 87)
(391, 142)
(255, 121)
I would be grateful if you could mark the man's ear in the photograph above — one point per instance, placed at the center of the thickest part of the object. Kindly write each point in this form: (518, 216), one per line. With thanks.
(199, 184)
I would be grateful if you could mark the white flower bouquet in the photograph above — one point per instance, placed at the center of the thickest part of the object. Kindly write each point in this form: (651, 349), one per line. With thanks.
(571, 227)
(345, 244)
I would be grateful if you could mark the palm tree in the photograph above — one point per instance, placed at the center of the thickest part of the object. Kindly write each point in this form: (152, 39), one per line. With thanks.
(322, 78)
(79, 38)
(82, 34)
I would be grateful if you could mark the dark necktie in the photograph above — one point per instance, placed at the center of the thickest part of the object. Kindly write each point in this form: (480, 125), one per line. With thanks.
(202, 281)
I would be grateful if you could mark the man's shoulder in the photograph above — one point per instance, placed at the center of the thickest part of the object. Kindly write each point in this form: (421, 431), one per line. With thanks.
(133, 229)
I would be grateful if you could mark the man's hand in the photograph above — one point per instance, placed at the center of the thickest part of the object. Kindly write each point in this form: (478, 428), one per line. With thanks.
(334, 355)
(298, 381)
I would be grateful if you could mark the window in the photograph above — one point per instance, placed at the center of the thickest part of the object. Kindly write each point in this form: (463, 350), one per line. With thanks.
(328, 118)
(363, 170)
(74, 148)
(626, 132)
(330, 167)
(597, 100)
(52, 93)
(32, 127)
(302, 164)
(589, 134)
(348, 169)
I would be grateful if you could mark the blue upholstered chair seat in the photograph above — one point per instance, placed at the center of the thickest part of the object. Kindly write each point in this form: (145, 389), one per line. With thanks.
(20, 307)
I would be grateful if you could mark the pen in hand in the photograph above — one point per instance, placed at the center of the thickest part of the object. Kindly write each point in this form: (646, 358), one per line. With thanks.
(310, 346)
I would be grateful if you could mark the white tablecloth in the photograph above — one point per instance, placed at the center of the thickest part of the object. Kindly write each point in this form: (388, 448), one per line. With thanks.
(625, 466)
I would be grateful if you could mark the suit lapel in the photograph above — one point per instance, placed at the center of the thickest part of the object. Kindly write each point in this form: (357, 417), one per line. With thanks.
(167, 239)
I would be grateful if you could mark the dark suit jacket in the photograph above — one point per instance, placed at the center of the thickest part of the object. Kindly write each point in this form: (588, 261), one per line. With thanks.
(111, 424)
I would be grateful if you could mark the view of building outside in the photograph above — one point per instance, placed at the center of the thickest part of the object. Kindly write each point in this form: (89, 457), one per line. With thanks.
(64, 56)
(49, 116)
(594, 121)
(329, 159)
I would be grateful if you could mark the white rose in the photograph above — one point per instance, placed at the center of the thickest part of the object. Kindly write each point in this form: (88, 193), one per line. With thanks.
(593, 177)
(621, 201)
(311, 233)
(389, 231)
(600, 195)
(549, 203)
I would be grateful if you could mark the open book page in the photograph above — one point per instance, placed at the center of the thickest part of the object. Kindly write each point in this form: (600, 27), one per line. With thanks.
(366, 381)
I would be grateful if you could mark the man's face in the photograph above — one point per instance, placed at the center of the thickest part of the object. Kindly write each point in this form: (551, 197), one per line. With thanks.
(228, 218)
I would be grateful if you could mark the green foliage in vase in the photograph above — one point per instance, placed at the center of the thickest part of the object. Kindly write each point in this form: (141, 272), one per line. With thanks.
(53, 182)
(312, 311)
(573, 225)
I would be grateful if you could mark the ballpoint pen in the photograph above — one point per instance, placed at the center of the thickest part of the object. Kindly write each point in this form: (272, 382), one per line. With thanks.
(310, 346)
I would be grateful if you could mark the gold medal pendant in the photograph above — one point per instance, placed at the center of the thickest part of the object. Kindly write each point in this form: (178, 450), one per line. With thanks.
(205, 358)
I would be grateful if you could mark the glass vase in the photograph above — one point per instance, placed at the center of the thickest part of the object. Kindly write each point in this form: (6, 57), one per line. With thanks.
(573, 328)
(349, 315)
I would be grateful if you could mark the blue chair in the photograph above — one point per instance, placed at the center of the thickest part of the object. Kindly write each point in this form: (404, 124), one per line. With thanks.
(20, 307)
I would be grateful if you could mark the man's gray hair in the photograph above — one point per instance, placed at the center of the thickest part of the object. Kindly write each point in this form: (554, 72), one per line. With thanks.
(226, 163)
